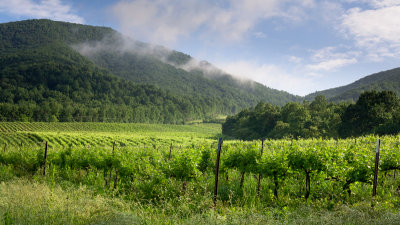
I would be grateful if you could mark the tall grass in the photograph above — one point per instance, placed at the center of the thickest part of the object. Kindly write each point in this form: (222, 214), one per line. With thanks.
(24, 201)
(32, 202)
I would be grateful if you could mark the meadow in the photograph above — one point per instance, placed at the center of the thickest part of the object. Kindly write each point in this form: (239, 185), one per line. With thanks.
(106, 173)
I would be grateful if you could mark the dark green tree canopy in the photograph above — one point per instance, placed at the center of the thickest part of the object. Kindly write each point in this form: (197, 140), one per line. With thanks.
(374, 112)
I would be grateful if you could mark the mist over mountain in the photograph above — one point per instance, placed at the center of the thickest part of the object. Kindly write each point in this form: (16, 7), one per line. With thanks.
(176, 72)
(57, 71)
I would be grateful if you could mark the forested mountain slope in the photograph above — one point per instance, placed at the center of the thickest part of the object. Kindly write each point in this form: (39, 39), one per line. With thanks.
(386, 80)
(69, 72)
(44, 79)
(178, 73)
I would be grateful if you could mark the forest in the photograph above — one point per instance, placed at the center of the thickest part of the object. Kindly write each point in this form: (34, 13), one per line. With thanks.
(44, 77)
(373, 113)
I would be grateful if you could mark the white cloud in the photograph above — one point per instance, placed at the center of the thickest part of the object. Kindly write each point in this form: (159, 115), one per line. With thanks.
(375, 3)
(373, 26)
(166, 21)
(270, 75)
(260, 35)
(160, 21)
(377, 31)
(332, 64)
(49, 9)
(334, 52)
(384, 3)
(295, 59)
(331, 58)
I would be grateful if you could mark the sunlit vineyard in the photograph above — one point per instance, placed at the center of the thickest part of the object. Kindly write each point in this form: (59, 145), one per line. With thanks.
(104, 134)
(174, 166)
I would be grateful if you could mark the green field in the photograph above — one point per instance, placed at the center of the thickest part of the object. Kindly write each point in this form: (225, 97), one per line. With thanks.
(101, 173)
(104, 134)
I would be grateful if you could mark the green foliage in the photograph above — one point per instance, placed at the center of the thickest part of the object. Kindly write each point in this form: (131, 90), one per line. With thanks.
(205, 163)
(373, 113)
(242, 160)
(274, 166)
(182, 167)
(252, 124)
(308, 161)
(390, 160)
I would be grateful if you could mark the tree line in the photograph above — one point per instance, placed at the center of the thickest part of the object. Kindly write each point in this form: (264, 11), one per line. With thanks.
(373, 113)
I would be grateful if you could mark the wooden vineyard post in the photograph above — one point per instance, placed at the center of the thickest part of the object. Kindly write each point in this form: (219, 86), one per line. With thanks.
(5, 147)
(262, 146)
(217, 171)
(45, 158)
(116, 170)
(170, 152)
(259, 175)
(111, 163)
(378, 146)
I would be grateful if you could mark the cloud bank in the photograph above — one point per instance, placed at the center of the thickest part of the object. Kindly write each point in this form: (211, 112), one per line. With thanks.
(332, 58)
(273, 76)
(166, 21)
(377, 30)
(47, 9)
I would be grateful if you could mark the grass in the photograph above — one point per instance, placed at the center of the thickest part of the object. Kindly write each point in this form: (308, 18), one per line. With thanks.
(32, 202)
(25, 201)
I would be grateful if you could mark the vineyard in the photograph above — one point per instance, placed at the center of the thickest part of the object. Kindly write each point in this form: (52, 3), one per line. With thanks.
(171, 170)
(103, 134)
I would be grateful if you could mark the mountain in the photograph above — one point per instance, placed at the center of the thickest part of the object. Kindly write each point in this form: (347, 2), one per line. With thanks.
(69, 72)
(178, 73)
(44, 79)
(386, 80)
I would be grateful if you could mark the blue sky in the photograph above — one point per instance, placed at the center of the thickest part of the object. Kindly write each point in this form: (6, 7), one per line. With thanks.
(300, 46)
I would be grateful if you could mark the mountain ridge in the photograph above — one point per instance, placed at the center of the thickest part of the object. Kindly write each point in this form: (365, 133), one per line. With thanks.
(388, 80)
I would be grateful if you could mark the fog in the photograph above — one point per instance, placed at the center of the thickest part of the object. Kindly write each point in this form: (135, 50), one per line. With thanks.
(120, 44)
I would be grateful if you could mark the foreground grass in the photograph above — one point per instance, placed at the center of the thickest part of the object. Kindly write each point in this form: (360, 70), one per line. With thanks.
(30, 202)
(34, 201)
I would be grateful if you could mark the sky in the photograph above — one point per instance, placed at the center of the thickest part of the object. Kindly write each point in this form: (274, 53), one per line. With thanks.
(299, 46)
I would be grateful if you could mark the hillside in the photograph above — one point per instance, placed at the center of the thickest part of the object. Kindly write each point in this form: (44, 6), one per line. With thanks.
(178, 73)
(386, 80)
(44, 79)
(89, 67)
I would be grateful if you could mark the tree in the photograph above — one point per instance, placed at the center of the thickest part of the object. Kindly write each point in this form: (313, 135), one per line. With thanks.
(296, 115)
(372, 111)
